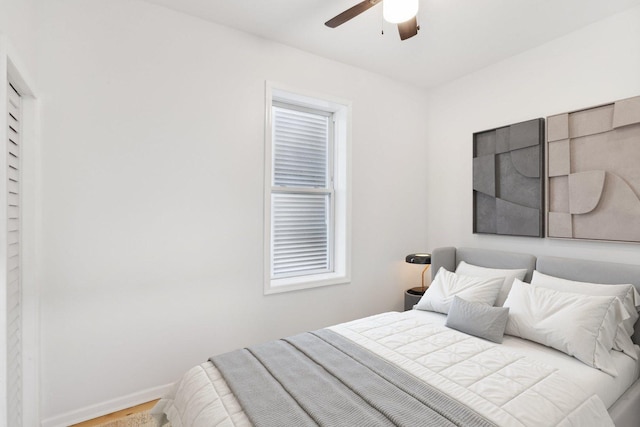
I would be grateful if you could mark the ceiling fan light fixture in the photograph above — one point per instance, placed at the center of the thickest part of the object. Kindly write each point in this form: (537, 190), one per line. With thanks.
(397, 11)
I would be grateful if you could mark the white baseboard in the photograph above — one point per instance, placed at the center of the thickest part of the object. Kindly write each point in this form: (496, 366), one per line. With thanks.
(108, 407)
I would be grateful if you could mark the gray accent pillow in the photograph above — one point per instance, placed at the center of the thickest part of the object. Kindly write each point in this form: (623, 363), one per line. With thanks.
(478, 319)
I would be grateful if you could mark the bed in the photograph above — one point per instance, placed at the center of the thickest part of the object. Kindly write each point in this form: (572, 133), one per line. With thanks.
(429, 367)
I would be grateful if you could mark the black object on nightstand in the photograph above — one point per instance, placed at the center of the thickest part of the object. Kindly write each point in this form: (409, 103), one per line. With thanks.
(411, 297)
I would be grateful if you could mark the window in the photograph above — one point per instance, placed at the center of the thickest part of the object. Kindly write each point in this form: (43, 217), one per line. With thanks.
(306, 192)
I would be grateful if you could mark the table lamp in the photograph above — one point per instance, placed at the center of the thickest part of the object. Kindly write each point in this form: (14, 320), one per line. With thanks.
(419, 259)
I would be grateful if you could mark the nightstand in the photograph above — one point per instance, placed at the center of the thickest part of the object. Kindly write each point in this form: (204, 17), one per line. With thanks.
(411, 297)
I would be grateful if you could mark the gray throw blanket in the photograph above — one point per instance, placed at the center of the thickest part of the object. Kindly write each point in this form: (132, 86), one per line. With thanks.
(322, 378)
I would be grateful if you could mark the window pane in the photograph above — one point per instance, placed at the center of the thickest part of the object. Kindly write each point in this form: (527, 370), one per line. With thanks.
(299, 234)
(300, 148)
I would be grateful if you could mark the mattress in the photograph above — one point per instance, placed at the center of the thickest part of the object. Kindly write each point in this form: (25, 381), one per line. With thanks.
(511, 384)
(593, 381)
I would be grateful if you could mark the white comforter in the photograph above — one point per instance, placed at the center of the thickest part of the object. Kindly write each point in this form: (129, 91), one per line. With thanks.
(507, 388)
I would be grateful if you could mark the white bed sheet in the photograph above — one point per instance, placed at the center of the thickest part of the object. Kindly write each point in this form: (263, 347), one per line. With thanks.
(591, 380)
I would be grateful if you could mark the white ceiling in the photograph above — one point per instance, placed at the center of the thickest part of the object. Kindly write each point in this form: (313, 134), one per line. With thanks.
(456, 38)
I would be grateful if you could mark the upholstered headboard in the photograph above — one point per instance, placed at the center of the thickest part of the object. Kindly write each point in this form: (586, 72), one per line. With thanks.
(450, 257)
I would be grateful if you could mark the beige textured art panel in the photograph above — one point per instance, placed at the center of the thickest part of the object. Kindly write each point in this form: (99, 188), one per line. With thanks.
(594, 173)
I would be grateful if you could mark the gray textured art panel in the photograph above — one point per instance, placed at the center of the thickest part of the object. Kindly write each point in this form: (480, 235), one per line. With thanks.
(507, 179)
(525, 134)
(527, 161)
(515, 187)
(485, 144)
(502, 139)
(484, 174)
(485, 214)
(518, 220)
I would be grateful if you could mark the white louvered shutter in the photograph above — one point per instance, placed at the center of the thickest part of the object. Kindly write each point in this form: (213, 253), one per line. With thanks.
(301, 197)
(14, 287)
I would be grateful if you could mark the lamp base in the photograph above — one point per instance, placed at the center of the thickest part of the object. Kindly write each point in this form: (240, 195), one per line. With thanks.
(417, 291)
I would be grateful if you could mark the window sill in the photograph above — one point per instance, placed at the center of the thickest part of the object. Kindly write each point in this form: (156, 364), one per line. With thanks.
(304, 282)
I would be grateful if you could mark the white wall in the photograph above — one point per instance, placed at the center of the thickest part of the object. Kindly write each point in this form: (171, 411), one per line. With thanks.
(598, 64)
(18, 23)
(152, 194)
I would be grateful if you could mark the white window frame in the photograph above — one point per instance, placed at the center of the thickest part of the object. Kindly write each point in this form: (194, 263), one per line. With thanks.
(339, 162)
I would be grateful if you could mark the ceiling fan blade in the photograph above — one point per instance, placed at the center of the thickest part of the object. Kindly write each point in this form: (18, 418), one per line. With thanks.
(351, 13)
(408, 28)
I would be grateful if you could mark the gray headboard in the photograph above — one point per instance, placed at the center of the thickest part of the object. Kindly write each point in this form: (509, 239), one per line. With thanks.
(589, 271)
(450, 257)
(566, 268)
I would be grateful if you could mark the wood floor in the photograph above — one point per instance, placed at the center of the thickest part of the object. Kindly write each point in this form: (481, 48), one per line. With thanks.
(117, 415)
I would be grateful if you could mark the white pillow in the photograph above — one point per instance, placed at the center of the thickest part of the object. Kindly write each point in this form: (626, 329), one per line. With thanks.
(507, 274)
(446, 285)
(627, 294)
(582, 326)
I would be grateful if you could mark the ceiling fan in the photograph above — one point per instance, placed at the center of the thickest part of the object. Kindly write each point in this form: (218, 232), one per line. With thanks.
(401, 12)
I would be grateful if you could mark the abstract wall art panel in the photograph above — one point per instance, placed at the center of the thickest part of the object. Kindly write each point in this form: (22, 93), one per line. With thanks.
(594, 173)
(508, 182)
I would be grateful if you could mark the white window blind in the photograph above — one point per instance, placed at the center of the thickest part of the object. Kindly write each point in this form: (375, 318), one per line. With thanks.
(301, 142)
(302, 193)
(14, 286)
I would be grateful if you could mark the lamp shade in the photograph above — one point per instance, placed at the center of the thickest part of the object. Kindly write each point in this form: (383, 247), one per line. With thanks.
(397, 11)
(418, 259)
